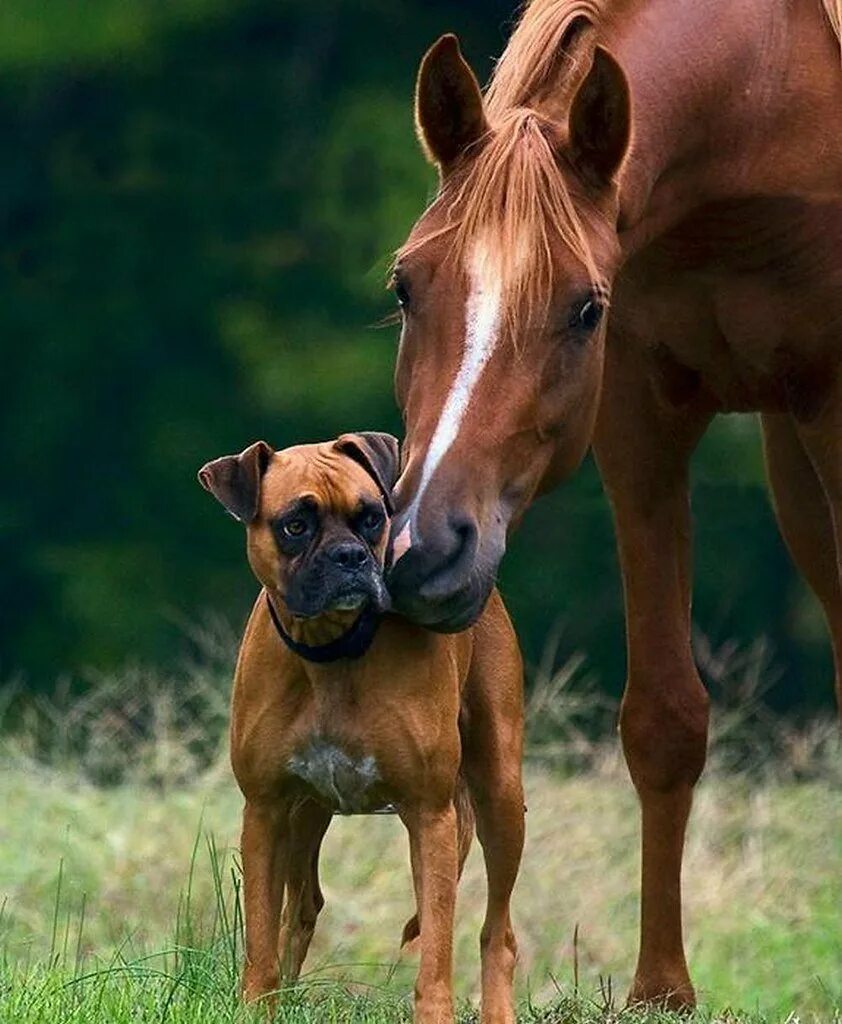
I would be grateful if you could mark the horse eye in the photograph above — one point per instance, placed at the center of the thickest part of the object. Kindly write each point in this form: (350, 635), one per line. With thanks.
(587, 315)
(401, 293)
(295, 527)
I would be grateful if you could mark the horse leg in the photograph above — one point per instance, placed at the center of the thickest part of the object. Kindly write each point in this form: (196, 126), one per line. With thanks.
(806, 522)
(303, 903)
(643, 445)
(821, 437)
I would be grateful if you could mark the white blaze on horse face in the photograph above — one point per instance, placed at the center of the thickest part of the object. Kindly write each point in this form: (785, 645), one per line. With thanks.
(482, 328)
(402, 543)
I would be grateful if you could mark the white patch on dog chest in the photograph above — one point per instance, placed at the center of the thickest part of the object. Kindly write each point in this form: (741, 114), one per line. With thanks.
(343, 781)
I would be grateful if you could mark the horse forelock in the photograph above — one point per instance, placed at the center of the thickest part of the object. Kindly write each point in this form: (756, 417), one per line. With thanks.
(506, 210)
(516, 200)
(512, 198)
(515, 203)
(513, 193)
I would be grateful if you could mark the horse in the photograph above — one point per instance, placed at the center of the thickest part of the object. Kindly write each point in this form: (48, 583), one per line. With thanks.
(680, 163)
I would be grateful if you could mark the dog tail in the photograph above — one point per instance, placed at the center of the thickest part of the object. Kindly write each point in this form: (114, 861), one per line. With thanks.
(411, 934)
(465, 825)
(465, 821)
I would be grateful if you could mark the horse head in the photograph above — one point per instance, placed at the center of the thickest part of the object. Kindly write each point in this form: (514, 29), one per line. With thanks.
(503, 287)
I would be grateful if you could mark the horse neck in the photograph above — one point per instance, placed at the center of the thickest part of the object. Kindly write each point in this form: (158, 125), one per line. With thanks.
(731, 98)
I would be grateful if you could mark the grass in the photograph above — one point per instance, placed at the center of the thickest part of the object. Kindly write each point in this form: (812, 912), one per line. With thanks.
(119, 875)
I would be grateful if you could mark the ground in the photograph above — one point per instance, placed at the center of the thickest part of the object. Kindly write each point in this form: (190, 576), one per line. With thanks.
(112, 908)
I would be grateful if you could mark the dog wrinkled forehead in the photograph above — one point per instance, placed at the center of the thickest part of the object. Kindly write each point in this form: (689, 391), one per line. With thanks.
(340, 474)
(320, 475)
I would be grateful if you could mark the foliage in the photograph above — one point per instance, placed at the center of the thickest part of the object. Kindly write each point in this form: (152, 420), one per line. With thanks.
(198, 200)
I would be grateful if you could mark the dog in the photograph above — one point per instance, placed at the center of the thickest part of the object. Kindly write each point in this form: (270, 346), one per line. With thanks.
(341, 707)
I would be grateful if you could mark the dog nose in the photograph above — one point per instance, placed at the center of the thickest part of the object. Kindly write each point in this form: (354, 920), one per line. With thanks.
(348, 555)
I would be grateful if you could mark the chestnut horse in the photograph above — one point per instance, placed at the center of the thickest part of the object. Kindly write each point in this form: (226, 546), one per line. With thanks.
(683, 161)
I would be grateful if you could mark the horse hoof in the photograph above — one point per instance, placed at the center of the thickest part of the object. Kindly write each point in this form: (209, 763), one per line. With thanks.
(673, 993)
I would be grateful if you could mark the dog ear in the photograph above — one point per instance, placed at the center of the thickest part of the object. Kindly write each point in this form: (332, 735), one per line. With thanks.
(378, 454)
(234, 480)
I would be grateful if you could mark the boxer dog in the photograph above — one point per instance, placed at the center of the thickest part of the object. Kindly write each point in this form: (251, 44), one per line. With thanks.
(341, 707)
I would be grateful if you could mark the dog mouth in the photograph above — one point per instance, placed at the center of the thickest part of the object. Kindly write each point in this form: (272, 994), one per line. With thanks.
(356, 594)
(350, 601)
(372, 593)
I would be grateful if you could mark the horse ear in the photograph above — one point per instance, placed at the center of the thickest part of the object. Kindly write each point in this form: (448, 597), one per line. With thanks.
(378, 454)
(234, 480)
(449, 115)
(600, 120)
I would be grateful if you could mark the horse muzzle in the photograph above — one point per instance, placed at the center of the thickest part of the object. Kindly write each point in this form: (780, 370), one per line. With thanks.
(442, 579)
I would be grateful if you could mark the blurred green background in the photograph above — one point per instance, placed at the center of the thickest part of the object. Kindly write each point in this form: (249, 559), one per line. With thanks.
(198, 201)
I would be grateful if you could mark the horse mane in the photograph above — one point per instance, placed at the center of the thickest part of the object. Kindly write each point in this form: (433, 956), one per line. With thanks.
(833, 9)
(529, 64)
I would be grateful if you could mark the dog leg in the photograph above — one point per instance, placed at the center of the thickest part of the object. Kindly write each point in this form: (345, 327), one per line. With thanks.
(492, 749)
(308, 824)
(434, 832)
(263, 849)
(465, 834)
(500, 829)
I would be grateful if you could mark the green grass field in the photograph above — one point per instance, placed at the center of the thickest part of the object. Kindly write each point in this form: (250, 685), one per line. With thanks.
(120, 901)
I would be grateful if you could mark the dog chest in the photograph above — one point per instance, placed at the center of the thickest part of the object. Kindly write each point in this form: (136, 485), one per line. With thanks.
(345, 782)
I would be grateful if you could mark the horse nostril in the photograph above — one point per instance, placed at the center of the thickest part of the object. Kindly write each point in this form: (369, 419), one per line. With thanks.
(457, 550)
(445, 574)
(431, 562)
(348, 556)
(464, 529)
(465, 535)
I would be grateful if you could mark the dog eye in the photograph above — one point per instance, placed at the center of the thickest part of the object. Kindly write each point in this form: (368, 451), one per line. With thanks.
(371, 520)
(295, 527)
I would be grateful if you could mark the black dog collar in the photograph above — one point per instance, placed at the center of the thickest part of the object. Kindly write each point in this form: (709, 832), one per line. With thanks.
(353, 643)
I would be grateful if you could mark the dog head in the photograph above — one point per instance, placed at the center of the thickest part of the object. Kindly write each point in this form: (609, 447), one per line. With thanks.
(317, 518)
